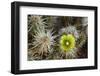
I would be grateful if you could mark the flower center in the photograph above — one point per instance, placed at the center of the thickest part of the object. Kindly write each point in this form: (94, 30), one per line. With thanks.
(67, 43)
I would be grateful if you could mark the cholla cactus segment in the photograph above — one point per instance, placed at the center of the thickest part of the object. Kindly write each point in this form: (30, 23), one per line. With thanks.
(73, 36)
(84, 21)
(35, 21)
(43, 39)
(70, 30)
(81, 41)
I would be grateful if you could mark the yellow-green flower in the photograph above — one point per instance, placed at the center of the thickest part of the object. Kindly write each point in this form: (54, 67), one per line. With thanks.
(67, 42)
